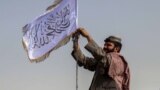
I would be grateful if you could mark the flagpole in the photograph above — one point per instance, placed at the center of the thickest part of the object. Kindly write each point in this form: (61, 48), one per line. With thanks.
(77, 76)
(75, 41)
(77, 35)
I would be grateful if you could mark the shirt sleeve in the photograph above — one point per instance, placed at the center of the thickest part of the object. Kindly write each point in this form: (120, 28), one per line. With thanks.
(82, 60)
(95, 50)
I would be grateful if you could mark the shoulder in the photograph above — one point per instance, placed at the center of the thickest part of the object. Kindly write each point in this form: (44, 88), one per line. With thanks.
(123, 59)
(116, 56)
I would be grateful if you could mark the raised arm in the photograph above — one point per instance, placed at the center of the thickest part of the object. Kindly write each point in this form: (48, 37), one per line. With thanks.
(92, 46)
(82, 60)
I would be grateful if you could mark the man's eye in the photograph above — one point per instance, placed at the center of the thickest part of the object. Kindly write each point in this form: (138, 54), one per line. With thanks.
(109, 45)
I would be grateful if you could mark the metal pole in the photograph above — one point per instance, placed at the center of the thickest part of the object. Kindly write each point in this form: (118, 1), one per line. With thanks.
(77, 76)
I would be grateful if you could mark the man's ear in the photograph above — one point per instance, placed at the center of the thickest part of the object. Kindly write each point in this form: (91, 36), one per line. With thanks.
(117, 49)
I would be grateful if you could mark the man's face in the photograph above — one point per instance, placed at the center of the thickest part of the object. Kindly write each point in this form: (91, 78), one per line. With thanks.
(109, 47)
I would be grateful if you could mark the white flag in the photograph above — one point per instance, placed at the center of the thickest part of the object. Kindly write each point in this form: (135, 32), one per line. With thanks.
(50, 30)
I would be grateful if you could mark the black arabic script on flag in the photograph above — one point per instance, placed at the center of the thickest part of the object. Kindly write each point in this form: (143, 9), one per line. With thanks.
(46, 30)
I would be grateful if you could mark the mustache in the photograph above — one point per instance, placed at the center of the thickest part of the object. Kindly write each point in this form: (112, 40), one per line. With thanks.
(105, 49)
(108, 50)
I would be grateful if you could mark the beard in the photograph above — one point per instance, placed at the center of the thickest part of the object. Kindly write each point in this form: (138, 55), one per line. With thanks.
(108, 50)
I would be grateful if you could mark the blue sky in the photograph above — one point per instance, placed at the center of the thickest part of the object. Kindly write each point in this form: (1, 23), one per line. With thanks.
(137, 22)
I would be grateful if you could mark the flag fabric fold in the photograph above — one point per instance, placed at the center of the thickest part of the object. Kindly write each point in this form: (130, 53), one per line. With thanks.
(50, 30)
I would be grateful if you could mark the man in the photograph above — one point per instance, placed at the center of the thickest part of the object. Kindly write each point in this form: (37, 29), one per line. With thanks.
(111, 69)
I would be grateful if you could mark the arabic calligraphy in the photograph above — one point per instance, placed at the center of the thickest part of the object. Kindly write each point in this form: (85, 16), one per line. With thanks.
(45, 31)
